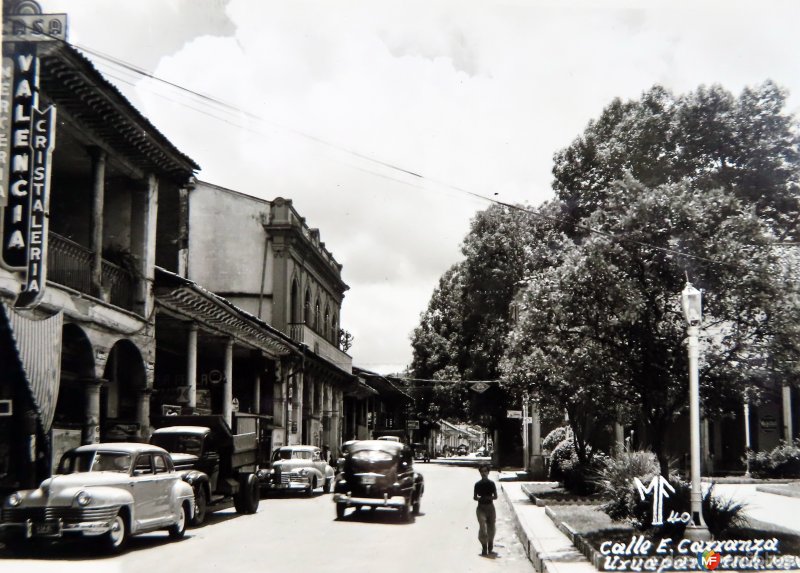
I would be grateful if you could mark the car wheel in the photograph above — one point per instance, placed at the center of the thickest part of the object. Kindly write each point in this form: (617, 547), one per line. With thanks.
(117, 537)
(200, 505)
(249, 495)
(405, 511)
(340, 507)
(415, 505)
(327, 487)
(178, 530)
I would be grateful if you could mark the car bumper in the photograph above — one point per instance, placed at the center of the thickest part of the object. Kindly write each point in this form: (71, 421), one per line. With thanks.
(53, 529)
(287, 486)
(396, 501)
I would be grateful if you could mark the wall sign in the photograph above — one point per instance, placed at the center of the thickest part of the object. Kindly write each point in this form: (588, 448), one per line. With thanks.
(25, 157)
(25, 214)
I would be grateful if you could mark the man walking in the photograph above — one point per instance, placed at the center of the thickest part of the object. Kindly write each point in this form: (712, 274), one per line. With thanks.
(485, 493)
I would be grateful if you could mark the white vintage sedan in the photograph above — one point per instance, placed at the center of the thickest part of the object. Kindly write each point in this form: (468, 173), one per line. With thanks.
(297, 467)
(103, 491)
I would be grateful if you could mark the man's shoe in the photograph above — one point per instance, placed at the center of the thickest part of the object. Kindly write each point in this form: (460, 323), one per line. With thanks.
(483, 550)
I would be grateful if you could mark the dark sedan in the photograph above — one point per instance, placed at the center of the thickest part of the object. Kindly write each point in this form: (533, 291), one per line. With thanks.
(378, 473)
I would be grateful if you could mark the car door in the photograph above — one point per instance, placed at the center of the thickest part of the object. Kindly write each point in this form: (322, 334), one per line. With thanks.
(164, 478)
(145, 488)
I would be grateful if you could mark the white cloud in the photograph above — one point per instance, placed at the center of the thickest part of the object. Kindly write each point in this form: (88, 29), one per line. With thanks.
(478, 95)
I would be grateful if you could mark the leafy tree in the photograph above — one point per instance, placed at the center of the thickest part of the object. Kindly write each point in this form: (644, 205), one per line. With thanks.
(462, 333)
(709, 139)
(605, 327)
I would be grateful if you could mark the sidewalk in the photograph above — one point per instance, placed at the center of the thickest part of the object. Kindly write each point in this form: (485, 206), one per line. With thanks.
(548, 549)
(551, 551)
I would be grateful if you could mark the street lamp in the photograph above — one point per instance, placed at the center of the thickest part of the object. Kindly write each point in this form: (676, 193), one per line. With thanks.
(692, 300)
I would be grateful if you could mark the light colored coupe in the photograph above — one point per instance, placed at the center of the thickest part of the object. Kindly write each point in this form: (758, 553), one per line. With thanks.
(104, 491)
(297, 467)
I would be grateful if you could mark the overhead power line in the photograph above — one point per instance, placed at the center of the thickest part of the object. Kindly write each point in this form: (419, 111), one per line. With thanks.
(230, 108)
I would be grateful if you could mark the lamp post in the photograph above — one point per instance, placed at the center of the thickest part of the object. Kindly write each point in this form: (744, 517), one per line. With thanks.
(747, 437)
(693, 312)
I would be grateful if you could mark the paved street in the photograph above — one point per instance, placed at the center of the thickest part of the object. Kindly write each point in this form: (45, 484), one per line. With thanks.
(295, 533)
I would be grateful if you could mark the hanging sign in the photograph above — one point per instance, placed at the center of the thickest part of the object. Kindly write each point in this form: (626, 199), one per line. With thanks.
(24, 224)
(34, 27)
(514, 414)
(480, 387)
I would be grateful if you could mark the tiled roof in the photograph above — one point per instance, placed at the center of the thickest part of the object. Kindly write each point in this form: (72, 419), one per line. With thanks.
(76, 86)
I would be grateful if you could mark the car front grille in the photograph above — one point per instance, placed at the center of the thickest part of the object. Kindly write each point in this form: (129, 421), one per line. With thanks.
(286, 479)
(66, 514)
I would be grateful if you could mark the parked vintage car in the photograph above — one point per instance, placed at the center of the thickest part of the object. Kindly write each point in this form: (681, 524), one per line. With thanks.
(297, 467)
(378, 473)
(107, 491)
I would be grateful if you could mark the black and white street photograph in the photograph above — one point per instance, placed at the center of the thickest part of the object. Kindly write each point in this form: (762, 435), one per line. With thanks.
(399, 285)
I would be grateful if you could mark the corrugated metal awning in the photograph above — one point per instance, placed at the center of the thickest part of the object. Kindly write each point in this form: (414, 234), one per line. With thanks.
(38, 345)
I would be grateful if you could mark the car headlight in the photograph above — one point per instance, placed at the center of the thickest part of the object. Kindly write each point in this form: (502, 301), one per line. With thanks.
(14, 499)
(83, 498)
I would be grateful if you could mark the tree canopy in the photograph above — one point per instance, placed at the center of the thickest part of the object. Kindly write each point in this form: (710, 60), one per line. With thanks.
(701, 186)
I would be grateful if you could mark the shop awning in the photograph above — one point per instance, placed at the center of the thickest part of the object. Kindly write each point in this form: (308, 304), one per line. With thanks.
(38, 345)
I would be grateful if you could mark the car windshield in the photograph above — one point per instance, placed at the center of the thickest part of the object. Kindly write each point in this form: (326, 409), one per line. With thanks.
(179, 443)
(74, 462)
(291, 455)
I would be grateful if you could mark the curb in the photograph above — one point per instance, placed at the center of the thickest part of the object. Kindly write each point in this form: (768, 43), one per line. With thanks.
(543, 561)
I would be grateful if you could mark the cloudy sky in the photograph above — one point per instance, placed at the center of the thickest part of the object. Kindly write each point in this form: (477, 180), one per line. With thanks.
(332, 103)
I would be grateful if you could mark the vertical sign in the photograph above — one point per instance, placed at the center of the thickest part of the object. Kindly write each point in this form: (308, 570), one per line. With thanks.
(24, 223)
(6, 81)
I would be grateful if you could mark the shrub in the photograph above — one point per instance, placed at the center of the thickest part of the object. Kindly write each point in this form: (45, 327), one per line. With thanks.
(783, 461)
(565, 467)
(555, 437)
(615, 476)
(720, 514)
(561, 454)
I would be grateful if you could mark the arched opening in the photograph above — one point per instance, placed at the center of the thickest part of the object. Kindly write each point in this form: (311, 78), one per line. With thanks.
(294, 303)
(326, 331)
(307, 308)
(317, 322)
(77, 366)
(125, 380)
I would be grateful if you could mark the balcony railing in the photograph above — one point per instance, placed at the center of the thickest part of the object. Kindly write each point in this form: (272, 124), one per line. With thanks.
(300, 332)
(70, 264)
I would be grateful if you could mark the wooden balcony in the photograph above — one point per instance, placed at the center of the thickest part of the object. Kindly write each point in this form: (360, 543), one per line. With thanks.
(70, 264)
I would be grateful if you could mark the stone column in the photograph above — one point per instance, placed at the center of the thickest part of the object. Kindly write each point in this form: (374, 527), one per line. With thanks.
(143, 413)
(91, 425)
(98, 157)
(227, 384)
(191, 364)
(788, 430)
(336, 432)
(257, 392)
(149, 260)
(297, 405)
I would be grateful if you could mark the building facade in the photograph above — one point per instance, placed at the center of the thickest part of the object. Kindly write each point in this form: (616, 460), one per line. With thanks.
(81, 189)
(264, 259)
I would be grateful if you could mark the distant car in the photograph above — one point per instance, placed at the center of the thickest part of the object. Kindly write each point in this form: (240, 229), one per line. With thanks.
(378, 473)
(110, 491)
(462, 450)
(421, 452)
(297, 467)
